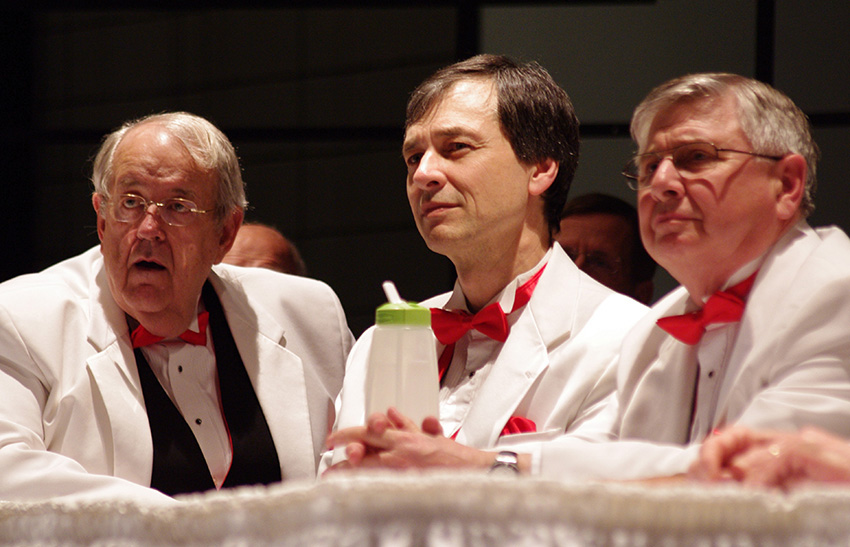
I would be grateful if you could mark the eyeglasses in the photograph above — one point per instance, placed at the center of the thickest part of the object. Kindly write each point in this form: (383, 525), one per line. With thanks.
(690, 159)
(173, 211)
(597, 265)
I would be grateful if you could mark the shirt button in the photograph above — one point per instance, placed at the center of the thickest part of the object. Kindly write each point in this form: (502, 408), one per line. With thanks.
(198, 421)
(180, 368)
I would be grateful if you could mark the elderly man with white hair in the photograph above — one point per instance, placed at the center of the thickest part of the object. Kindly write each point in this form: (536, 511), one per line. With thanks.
(143, 368)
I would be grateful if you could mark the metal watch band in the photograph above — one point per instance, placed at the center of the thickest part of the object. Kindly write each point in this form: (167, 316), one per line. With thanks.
(506, 460)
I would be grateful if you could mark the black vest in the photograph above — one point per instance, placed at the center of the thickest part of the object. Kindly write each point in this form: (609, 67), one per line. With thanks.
(179, 466)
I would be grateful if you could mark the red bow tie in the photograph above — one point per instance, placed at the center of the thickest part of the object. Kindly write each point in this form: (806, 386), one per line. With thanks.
(449, 326)
(141, 337)
(722, 307)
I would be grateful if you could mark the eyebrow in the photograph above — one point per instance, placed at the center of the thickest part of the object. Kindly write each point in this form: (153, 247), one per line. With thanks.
(407, 146)
(131, 185)
(443, 133)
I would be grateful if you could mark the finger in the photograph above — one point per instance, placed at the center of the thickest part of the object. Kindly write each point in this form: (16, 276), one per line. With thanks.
(390, 459)
(377, 424)
(345, 436)
(377, 434)
(712, 453)
(819, 456)
(717, 450)
(378, 438)
(431, 425)
(400, 421)
(763, 467)
(355, 452)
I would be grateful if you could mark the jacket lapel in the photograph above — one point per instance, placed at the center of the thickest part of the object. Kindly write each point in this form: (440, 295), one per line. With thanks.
(669, 384)
(764, 313)
(261, 339)
(116, 379)
(119, 388)
(661, 373)
(524, 355)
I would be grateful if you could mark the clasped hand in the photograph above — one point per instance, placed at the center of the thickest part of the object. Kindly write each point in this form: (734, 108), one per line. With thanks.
(773, 459)
(393, 440)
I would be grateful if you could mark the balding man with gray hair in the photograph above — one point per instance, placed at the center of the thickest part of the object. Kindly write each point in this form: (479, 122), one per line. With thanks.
(143, 368)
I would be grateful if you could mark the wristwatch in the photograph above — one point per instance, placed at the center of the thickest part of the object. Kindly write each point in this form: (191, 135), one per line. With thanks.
(506, 461)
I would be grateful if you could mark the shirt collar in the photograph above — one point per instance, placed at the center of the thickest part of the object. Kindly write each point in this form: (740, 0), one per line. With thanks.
(505, 298)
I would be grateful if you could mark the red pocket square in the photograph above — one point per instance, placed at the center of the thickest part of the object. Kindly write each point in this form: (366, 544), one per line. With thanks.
(518, 424)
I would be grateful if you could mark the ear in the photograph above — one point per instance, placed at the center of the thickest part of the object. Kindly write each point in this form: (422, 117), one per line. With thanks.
(97, 201)
(791, 172)
(230, 227)
(543, 174)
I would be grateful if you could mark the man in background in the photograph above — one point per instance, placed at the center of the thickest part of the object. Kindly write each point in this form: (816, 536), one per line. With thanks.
(600, 233)
(261, 246)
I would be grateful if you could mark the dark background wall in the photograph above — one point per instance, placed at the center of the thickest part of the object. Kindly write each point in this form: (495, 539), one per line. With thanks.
(312, 95)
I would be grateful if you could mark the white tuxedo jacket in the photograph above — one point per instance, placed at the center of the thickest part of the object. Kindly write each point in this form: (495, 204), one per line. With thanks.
(72, 415)
(789, 366)
(557, 367)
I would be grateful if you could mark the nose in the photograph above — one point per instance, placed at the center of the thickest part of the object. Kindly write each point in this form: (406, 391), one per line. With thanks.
(666, 183)
(150, 225)
(428, 174)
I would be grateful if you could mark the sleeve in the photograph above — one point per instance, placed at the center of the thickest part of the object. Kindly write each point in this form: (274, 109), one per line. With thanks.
(350, 404)
(31, 471)
(794, 372)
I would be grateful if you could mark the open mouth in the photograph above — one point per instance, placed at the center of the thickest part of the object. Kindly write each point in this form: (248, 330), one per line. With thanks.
(147, 265)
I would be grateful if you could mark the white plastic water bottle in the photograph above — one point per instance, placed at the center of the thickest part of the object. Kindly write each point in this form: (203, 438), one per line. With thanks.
(402, 360)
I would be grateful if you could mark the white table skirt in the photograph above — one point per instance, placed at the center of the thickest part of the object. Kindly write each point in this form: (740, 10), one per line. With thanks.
(446, 509)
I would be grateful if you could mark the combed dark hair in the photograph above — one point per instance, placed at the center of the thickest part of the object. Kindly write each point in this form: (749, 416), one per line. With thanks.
(535, 114)
(642, 267)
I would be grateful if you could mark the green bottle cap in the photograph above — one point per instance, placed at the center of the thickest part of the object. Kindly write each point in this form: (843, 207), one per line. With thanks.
(403, 313)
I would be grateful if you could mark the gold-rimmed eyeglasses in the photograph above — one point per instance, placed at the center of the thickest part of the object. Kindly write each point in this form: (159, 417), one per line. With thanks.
(691, 159)
(173, 211)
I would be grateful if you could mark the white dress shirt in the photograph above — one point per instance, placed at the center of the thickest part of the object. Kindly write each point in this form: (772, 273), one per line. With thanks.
(475, 353)
(189, 376)
(713, 353)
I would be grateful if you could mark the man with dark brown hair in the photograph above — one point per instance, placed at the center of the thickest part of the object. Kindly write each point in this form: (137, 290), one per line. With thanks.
(491, 146)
